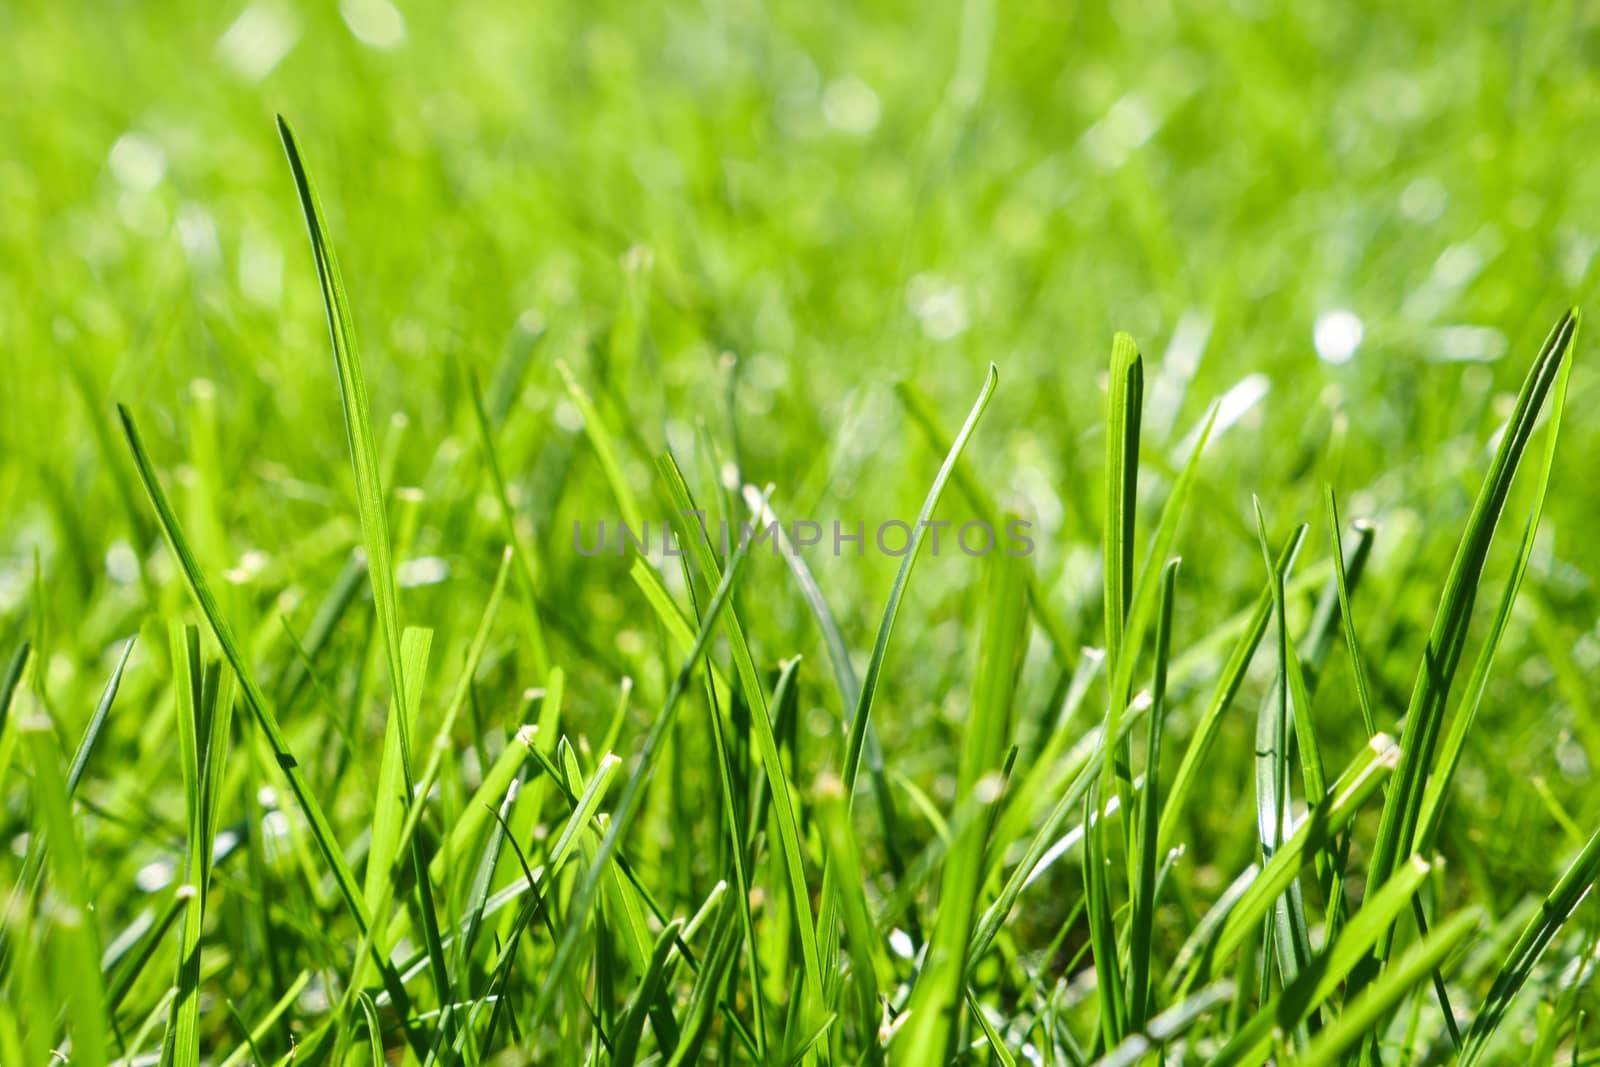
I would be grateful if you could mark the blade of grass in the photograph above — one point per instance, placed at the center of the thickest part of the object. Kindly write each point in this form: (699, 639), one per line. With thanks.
(390, 795)
(182, 1045)
(719, 696)
(935, 1003)
(627, 806)
(855, 738)
(74, 950)
(508, 521)
(625, 1038)
(1232, 677)
(1403, 802)
(1358, 668)
(845, 679)
(1102, 929)
(369, 502)
(785, 806)
(1141, 920)
(1345, 799)
(1438, 787)
(1366, 1010)
(1170, 1024)
(1252, 1042)
(1124, 406)
(605, 450)
(1559, 904)
(1286, 930)
(870, 966)
(357, 419)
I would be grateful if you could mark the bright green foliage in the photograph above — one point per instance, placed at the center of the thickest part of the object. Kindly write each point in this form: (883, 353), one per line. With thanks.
(327, 737)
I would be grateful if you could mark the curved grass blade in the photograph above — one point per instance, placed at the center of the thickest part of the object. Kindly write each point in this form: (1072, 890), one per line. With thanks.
(1466, 712)
(1251, 1043)
(1559, 904)
(1442, 654)
(855, 739)
(1358, 667)
(1363, 1013)
(625, 1038)
(1124, 406)
(844, 673)
(891, 610)
(1344, 801)
(357, 419)
(321, 831)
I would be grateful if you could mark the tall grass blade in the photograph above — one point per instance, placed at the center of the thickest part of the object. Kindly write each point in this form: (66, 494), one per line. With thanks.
(935, 1005)
(357, 420)
(785, 805)
(1363, 1013)
(1251, 1043)
(583, 894)
(1425, 712)
(1559, 904)
(1141, 920)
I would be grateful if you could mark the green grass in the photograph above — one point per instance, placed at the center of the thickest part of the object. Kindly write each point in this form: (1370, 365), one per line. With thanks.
(321, 741)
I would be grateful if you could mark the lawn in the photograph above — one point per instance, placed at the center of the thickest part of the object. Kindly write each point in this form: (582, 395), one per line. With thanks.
(1201, 378)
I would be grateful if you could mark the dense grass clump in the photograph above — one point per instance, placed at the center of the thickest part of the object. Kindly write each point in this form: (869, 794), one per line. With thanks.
(593, 665)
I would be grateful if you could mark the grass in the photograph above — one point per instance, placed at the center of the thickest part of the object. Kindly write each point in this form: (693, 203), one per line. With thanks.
(321, 741)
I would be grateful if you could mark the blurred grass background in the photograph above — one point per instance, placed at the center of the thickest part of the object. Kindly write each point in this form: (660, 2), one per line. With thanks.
(1362, 217)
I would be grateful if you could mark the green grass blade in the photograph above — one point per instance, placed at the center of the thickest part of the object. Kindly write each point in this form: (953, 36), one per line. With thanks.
(1168, 1026)
(1403, 803)
(844, 673)
(321, 831)
(1252, 1042)
(785, 805)
(357, 417)
(1102, 928)
(1358, 667)
(625, 1038)
(869, 963)
(1124, 406)
(1288, 929)
(936, 998)
(74, 948)
(605, 449)
(1373, 1004)
(923, 413)
(538, 651)
(97, 721)
(628, 804)
(1227, 687)
(1344, 801)
(1145, 589)
(880, 648)
(390, 795)
(1569, 891)
(1438, 788)
(1141, 920)
(182, 1046)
